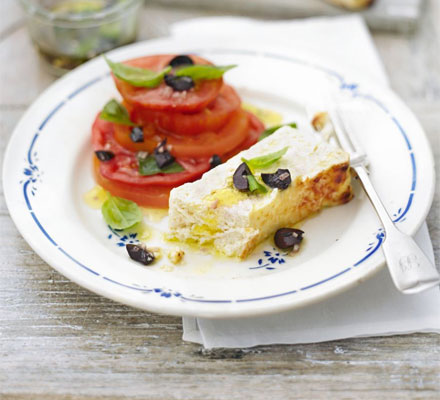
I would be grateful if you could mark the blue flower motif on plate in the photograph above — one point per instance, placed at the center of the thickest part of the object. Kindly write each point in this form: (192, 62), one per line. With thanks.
(32, 174)
(270, 259)
(167, 292)
(122, 238)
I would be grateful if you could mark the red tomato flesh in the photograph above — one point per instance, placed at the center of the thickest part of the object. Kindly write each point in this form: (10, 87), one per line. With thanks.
(204, 145)
(255, 129)
(152, 196)
(164, 97)
(120, 176)
(211, 118)
(123, 168)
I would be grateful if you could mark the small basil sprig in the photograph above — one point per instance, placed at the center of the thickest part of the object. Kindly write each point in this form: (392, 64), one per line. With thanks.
(148, 166)
(272, 129)
(139, 77)
(265, 161)
(206, 72)
(120, 213)
(254, 185)
(115, 112)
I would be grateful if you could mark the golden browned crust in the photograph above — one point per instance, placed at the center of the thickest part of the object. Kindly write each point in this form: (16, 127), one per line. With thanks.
(332, 186)
(319, 121)
(305, 197)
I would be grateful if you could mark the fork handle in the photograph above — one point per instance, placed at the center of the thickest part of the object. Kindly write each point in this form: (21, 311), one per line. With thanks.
(410, 269)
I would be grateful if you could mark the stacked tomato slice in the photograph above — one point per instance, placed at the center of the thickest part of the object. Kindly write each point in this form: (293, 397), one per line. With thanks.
(197, 124)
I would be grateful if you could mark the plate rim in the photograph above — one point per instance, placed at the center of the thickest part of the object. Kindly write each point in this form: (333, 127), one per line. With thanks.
(268, 307)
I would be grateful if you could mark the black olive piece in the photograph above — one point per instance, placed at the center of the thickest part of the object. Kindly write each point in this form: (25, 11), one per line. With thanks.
(278, 180)
(162, 156)
(139, 254)
(286, 238)
(179, 83)
(180, 60)
(137, 134)
(104, 155)
(214, 161)
(240, 177)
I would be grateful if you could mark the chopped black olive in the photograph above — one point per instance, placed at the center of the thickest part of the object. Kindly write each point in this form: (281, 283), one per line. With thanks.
(179, 83)
(137, 134)
(214, 161)
(162, 156)
(140, 254)
(286, 238)
(240, 177)
(180, 60)
(279, 180)
(104, 155)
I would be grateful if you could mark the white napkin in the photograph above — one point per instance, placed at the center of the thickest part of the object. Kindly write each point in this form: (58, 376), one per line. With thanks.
(374, 308)
(339, 38)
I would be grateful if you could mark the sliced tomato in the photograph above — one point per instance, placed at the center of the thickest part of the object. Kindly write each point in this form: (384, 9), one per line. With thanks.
(152, 196)
(123, 168)
(103, 137)
(120, 175)
(163, 97)
(256, 128)
(211, 118)
(203, 145)
(122, 137)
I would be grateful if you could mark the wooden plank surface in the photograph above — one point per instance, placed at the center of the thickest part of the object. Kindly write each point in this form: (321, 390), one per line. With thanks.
(59, 341)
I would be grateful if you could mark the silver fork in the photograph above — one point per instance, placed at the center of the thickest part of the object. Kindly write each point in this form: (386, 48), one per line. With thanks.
(410, 269)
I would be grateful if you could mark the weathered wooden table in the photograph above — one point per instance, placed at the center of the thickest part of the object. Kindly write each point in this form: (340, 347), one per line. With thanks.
(58, 341)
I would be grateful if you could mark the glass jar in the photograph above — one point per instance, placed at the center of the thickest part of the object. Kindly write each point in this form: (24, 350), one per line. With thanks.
(70, 32)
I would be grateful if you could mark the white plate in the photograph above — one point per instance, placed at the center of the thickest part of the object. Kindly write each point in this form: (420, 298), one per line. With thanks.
(47, 170)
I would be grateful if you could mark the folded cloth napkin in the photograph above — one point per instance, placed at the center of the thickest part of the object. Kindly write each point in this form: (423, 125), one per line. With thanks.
(338, 38)
(375, 307)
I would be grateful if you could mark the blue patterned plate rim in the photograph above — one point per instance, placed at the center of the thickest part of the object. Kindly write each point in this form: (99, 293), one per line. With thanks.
(30, 177)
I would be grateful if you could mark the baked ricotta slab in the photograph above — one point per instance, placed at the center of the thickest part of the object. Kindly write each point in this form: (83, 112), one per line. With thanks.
(211, 212)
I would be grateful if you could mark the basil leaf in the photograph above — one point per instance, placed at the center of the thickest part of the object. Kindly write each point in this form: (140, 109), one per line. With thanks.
(265, 161)
(254, 185)
(148, 166)
(139, 77)
(199, 72)
(115, 112)
(120, 213)
(272, 129)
